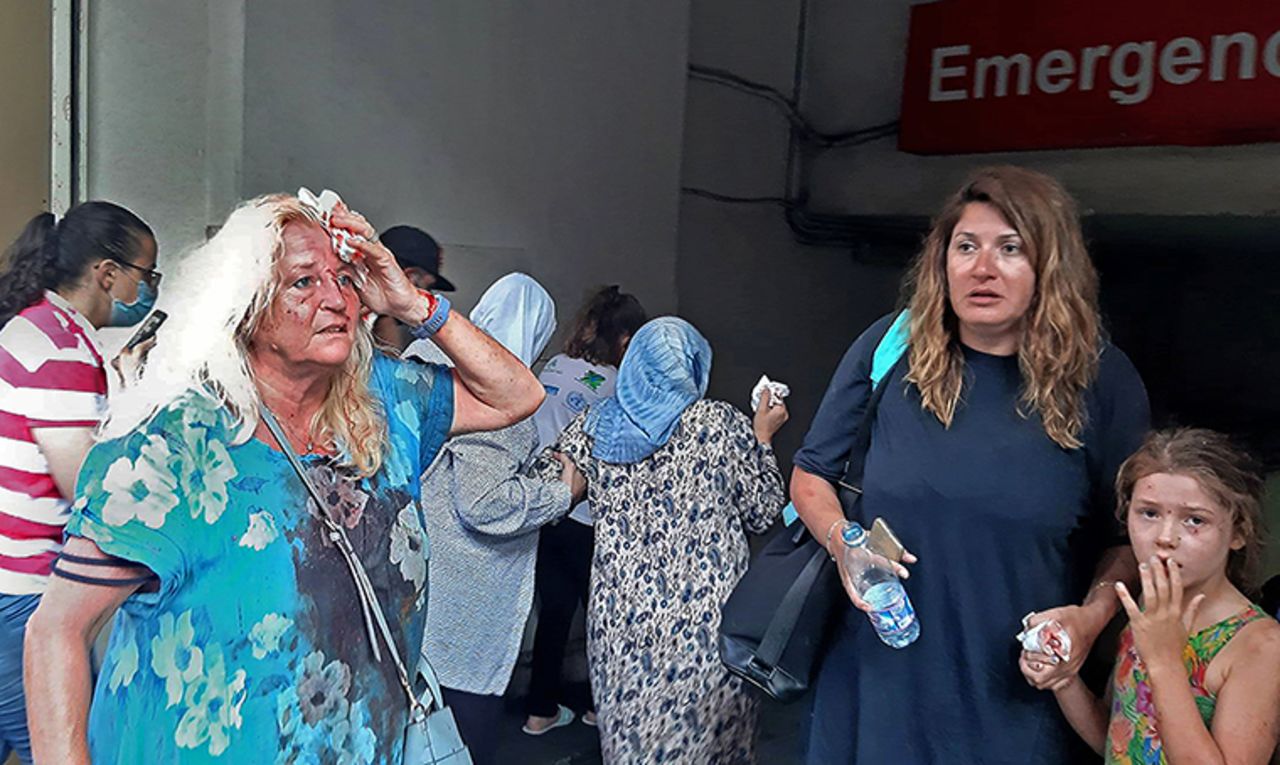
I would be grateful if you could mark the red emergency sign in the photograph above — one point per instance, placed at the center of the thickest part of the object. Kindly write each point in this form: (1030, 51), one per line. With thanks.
(993, 75)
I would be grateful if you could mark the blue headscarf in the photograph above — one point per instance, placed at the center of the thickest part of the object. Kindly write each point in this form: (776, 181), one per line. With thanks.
(666, 368)
(517, 312)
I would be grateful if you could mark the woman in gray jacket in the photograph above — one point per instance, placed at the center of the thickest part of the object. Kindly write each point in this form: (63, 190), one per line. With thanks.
(483, 513)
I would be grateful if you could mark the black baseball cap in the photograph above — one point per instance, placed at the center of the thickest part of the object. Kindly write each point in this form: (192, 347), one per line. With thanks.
(414, 248)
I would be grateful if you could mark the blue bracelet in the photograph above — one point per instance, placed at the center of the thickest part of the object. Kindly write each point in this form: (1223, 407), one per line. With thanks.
(434, 322)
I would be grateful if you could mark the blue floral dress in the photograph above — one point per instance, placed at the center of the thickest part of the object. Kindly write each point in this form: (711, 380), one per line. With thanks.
(253, 650)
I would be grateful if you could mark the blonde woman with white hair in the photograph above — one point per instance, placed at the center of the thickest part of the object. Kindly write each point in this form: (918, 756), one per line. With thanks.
(238, 631)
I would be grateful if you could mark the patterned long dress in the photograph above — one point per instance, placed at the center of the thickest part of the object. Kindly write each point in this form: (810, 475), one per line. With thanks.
(671, 543)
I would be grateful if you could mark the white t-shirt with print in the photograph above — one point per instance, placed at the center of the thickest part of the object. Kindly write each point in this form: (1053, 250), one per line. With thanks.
(572, 385)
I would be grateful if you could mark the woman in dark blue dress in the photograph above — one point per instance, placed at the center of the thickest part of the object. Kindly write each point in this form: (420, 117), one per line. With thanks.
(992, 456)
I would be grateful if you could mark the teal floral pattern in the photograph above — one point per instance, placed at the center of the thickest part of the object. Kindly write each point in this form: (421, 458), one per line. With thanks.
(174, 657)
(212, 702)
(203, 479)
(141, 488)
(409, 547)
(261, 532)
(266, 634)
(252, 648)
(127, 659)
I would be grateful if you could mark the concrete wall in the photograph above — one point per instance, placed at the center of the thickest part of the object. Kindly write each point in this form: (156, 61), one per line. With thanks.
(543, 137)
(25, 53)
(767, 304)
(161, 120)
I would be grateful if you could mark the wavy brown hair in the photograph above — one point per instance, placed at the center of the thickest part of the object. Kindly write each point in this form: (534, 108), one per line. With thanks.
(1061, 332)
(603, 326)
(1228, 474)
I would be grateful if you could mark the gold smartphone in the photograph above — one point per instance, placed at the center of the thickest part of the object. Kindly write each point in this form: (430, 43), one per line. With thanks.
(884, 542)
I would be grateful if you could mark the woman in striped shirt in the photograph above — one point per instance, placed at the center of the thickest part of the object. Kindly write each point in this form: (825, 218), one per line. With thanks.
(64, 280)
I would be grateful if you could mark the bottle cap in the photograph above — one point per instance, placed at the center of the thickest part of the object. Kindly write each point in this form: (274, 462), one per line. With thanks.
(853, 534)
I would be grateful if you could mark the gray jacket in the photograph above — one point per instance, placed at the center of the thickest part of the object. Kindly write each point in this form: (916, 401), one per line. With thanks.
(483, 513)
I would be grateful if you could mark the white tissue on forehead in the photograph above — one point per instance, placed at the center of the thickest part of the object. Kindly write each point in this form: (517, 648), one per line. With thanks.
(323, 205)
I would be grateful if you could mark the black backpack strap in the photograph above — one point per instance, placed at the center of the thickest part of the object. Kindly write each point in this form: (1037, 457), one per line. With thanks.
(777, 635)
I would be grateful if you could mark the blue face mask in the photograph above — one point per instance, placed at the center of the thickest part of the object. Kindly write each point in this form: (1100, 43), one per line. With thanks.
(127, 314)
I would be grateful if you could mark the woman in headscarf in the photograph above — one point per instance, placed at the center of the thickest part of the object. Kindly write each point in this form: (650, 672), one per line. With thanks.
(675, 482)
(483, 514)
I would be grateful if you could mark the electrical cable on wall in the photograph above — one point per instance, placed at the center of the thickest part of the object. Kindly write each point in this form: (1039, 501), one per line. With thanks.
(858, 232)
(730, 199)
(830, 230)
(803, 126)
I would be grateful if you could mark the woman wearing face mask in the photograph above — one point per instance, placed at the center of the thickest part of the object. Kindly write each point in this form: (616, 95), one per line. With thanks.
(64, 281)
(483, 513)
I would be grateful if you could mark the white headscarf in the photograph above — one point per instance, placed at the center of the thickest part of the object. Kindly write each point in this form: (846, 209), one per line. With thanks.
(518, 313)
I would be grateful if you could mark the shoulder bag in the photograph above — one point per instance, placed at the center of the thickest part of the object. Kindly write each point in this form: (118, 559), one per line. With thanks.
(774, 625)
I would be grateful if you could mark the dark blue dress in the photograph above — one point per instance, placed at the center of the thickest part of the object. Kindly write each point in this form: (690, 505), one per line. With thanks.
(1004, 521)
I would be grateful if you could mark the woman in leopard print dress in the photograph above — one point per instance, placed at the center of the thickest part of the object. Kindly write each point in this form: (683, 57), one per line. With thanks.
(676, 483)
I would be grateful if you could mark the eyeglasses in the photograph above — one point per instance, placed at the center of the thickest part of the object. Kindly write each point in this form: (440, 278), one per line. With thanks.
(149, 275)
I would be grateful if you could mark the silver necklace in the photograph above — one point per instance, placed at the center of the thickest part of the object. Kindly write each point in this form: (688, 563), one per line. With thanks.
(310, 442)
(289, 431)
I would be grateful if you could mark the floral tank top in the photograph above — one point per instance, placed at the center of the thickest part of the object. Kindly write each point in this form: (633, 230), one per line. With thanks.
(1132, 736)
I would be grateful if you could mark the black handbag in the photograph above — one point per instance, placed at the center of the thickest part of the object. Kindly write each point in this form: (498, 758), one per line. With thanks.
(774, 626)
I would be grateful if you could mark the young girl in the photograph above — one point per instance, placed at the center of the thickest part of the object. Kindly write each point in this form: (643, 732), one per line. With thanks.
(1198, 676)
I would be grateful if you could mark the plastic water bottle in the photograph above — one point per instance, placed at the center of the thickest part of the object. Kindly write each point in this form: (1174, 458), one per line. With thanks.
(873, 578)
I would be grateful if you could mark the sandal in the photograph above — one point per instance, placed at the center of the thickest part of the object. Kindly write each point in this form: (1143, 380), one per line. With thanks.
(564, 716)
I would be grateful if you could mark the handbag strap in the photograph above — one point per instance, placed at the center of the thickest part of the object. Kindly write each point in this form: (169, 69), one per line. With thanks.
(852, 480)
(778, 634)
(374, 620)
(888, 354)
(887, 357)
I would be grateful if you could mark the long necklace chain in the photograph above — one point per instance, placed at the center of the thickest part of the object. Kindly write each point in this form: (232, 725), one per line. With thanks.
(289, 431)
(310, 442)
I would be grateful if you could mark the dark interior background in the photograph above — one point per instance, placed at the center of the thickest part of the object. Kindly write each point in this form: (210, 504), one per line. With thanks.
(1193, 300)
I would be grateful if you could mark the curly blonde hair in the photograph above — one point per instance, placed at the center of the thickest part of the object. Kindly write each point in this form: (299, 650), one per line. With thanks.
(217, 298)
(1061, 333)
